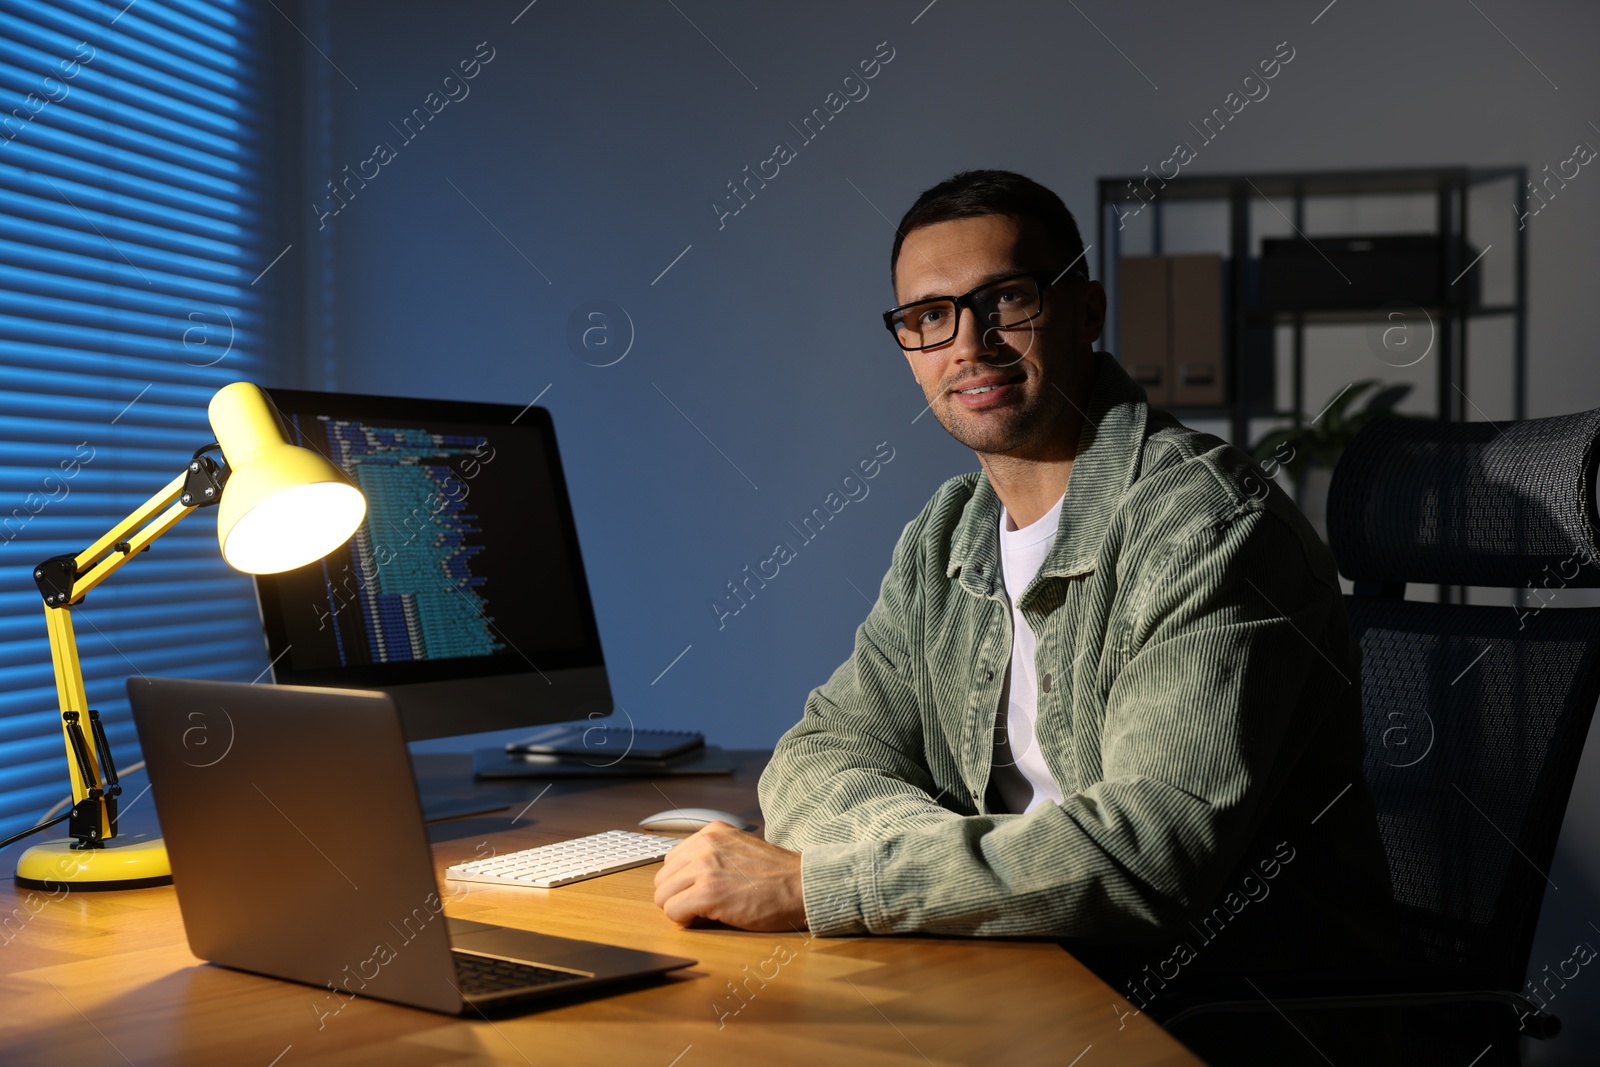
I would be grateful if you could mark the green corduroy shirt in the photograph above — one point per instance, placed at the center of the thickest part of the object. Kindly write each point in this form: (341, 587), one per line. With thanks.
(1198, 705)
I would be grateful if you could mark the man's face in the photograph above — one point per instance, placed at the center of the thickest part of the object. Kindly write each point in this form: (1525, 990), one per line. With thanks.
(1035, 372)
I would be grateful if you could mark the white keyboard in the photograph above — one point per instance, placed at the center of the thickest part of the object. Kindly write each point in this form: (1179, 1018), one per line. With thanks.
(567, 861)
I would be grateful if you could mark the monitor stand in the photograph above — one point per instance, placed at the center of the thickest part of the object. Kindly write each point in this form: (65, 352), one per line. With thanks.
(443, 809)
(446, 790)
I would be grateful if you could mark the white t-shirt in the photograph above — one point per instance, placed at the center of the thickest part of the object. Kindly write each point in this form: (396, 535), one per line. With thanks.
(1019, 770)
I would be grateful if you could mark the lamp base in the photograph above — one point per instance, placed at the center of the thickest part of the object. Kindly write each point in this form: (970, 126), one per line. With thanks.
(133, 861)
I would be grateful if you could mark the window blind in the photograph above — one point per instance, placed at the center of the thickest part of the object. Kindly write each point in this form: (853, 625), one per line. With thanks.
(130, 241)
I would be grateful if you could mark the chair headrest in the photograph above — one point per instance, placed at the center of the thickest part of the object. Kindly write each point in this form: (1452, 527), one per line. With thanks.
(1469, 503)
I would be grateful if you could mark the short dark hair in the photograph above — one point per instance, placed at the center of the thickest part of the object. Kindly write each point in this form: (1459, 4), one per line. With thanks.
(993, 192)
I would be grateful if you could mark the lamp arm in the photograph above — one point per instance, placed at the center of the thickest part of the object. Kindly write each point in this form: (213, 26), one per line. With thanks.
(64, 581)
(93, 818)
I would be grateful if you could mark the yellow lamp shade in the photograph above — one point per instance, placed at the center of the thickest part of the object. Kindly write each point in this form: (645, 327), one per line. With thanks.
(284, 506)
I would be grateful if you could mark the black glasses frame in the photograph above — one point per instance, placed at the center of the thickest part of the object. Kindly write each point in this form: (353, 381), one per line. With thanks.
(965, 301)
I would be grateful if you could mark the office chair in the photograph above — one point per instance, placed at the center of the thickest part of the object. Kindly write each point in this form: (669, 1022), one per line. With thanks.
(1475, 716)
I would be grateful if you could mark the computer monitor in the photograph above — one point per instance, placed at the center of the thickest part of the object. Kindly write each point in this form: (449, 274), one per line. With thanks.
(463, 593)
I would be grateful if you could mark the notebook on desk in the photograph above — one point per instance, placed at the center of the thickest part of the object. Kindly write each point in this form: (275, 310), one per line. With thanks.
(498, 763)
(597, 742)
(298, 852)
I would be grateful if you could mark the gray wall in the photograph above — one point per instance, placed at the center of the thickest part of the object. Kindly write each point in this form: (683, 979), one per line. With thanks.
(594, 144)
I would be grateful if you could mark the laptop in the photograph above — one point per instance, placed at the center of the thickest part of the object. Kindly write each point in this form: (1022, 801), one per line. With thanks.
(298, 852)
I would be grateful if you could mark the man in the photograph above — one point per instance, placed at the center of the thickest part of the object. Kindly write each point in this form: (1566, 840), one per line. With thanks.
(1107, 692)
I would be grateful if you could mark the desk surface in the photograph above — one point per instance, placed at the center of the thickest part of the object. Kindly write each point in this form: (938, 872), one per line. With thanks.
(108, 978)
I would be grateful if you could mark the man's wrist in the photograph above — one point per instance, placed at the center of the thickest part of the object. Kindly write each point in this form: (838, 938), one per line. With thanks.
(833, 880)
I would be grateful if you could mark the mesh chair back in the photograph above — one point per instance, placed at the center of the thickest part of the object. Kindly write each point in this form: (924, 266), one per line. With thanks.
(1475, 716)
(1469, 503)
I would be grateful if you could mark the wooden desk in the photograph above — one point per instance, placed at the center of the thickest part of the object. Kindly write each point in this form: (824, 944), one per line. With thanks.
(92, 979)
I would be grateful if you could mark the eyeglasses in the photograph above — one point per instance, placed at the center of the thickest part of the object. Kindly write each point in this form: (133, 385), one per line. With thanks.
(1003, 304)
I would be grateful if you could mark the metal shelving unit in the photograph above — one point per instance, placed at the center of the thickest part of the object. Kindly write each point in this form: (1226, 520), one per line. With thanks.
(1251, 392)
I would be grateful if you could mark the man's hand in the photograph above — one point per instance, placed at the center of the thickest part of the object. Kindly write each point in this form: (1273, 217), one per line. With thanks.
(732, 877)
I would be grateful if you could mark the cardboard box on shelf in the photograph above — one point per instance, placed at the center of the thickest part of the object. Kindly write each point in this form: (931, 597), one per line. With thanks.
(1142, 332)
(1194, 286)
(1170, 328)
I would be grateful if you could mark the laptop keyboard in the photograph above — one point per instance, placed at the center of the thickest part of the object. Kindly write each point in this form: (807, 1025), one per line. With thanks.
(567, 861)
(484, 975)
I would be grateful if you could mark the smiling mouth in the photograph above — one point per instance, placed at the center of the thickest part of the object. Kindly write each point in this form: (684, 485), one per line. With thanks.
(981, 390)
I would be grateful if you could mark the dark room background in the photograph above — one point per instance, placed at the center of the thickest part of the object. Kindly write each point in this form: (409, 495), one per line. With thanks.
(576, 225)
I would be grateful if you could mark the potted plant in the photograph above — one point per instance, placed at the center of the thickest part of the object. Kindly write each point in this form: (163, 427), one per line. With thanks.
(1309, 452)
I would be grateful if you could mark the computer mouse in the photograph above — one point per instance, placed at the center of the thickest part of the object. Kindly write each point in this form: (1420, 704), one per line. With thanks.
(692, 819)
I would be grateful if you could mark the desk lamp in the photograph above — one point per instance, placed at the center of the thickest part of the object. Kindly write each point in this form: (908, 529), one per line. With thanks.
(284, 506)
